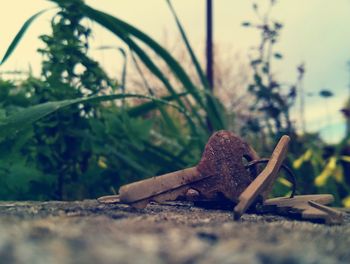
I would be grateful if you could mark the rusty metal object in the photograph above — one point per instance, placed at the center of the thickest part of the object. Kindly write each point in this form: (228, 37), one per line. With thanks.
(329, 215)
(222, 178)
(263, 183)
(109, 199)
(219, 176)
(305, 207)
(223, 158)
(300, 199)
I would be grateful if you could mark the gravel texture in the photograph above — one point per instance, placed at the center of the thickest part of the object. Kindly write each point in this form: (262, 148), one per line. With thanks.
(88, 232)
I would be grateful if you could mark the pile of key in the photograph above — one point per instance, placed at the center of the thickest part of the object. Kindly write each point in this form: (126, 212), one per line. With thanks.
(227, 175)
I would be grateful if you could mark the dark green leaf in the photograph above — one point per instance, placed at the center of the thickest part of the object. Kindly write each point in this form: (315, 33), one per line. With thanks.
(255, 62)
(19, 35)
(123, 30)
(278, 55)
(199, 70)
(15, 123)
(326, 93)
(257, 79)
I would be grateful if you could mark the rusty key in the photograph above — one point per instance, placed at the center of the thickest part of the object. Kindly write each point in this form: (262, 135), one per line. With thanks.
(219, 176)
(305, 207)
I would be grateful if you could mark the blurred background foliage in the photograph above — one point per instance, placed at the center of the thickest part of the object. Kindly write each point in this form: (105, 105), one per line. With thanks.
(74, 132)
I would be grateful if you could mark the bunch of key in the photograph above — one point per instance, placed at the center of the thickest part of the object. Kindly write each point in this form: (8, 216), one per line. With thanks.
(222, 177)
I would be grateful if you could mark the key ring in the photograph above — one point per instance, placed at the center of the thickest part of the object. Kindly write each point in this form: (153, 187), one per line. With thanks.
(283, 166)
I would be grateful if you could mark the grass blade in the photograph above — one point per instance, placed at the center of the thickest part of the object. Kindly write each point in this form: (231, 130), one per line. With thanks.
(149, 106)
(123, 30)
(199, 70)
(15, 123)
(19, 36)
(214, 111)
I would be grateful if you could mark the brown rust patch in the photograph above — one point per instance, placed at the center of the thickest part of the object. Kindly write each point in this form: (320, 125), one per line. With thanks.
(222, 158)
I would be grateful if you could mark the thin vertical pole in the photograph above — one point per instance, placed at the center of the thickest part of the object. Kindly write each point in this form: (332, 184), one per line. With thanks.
(209, 46)
(209, 55)
(347, 108)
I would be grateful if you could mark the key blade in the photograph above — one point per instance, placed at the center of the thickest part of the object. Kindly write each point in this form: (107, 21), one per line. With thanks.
(156, 186)
(109, 199)
(305, 207)
(286, 201)
(333, 216)
(264, 180)
(169, 195)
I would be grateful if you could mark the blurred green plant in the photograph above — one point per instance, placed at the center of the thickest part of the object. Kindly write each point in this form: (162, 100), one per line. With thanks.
(323, 170)
(273, 98)
(65, 144)
(77, 133)
(319, 168)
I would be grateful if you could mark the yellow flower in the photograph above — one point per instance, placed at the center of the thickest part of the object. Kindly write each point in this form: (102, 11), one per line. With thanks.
(285, 182)
(332, 164)
(305, 157)
(102, 163)
(345, 158)
(321, 179)
(346, 201)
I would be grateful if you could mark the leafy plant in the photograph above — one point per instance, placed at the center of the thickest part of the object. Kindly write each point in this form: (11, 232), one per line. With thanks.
(273, 98)
(75, 132)
(84, 147)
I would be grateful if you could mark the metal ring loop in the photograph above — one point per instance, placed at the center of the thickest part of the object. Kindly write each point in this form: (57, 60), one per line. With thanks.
(283, 166)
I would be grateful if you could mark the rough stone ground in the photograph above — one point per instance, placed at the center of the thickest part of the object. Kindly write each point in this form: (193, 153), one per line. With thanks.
(88, 232)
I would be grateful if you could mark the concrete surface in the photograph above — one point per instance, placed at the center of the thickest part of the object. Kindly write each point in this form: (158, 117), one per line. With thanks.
(88, 232)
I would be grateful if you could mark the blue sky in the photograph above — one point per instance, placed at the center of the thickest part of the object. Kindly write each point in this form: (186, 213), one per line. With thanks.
(316, 32)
